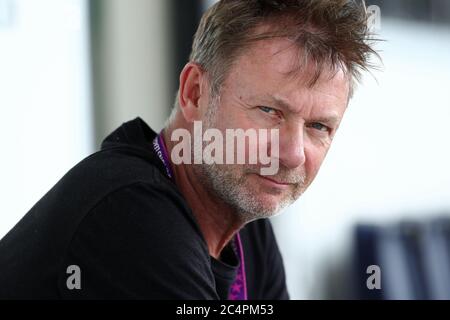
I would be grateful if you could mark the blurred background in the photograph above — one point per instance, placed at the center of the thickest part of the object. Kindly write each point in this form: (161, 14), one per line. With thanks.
(71, 71)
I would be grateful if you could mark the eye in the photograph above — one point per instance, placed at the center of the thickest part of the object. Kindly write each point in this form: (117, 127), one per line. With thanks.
(268, 110)
(319, 126)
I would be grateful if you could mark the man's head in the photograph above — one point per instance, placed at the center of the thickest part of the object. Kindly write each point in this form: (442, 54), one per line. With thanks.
(283, 65)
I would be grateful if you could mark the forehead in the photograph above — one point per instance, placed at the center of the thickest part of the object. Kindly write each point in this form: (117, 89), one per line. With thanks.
(280, 54)
(273, 65)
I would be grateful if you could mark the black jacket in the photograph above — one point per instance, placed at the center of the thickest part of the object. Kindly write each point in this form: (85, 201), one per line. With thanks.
(126, 226)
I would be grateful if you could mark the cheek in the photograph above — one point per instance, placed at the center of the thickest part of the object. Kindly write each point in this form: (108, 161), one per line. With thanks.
(227, 118)
(240, 120)
(313, 160)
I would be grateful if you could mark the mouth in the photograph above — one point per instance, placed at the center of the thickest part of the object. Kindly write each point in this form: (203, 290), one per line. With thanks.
(274, 183)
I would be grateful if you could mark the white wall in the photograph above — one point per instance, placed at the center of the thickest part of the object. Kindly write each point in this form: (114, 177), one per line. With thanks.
(44, 99)
(134, 67)
(390, 159)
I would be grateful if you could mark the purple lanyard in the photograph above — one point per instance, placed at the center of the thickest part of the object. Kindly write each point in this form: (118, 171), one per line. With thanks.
(238, 290)
(160, 149)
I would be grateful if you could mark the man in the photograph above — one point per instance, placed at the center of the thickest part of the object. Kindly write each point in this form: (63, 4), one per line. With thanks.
(133, 222)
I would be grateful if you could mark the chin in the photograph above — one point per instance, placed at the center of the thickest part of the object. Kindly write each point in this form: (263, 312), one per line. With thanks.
(265, 205)
(262, 199)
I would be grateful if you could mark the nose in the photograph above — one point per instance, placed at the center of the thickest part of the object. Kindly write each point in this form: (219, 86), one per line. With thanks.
(292, 146)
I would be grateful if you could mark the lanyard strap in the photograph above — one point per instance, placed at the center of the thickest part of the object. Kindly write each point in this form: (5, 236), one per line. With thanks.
(238, 290)
(161, 151)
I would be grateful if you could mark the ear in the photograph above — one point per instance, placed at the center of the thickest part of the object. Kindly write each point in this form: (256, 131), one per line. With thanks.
(192, 92)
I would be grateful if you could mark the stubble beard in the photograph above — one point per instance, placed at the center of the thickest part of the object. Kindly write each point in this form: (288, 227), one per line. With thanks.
(230, 183)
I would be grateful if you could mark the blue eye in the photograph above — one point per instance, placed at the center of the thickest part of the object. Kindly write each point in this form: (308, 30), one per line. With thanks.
(267, 110)
(319, 126)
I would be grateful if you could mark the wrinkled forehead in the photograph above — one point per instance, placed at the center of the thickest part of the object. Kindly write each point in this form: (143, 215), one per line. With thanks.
(291, 45)
(280, 60)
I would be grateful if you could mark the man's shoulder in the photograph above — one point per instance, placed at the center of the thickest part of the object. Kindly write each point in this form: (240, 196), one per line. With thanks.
(104, 172)
(124, 178)
(115, 206)
(117, 166)
(125, 183)
(139, 237)
(148, 204)
(142, 215)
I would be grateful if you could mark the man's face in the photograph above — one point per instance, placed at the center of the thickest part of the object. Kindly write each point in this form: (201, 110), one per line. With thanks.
(259, 93)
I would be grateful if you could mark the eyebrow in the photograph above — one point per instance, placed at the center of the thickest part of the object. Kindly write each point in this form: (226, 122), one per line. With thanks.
(330, 120)
(282, 103)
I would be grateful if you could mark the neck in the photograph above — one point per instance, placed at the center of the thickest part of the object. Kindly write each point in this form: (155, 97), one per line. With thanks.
(218, 222)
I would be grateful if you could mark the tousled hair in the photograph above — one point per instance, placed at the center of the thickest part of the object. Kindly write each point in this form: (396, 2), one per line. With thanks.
(330, 34)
